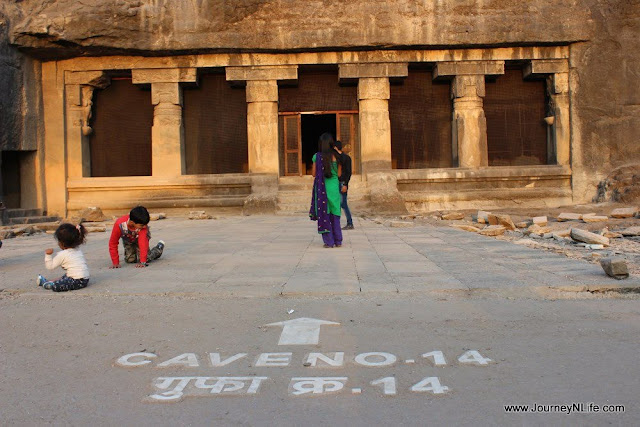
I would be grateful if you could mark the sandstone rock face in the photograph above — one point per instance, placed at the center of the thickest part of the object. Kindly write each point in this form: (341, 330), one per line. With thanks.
(99, 26)
(605, 121)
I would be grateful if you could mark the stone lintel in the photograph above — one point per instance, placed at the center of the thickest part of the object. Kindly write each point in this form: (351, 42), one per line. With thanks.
(457, 68)
(92, 78)
(252, 73)
(163, 75)
(541, 67)
(378, 69)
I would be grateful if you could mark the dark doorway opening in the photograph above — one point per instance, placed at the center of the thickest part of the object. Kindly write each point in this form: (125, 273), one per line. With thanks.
(312, 126)
(11, 179)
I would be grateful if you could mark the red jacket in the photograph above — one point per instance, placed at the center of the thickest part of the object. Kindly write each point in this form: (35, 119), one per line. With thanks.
(121, 230)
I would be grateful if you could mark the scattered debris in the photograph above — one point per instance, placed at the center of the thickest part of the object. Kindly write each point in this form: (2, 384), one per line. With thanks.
(401, 224)
(501, 219)
(290, 311)
(594, 218)
(624, 212)
(466, 227)
(540, 220)
(452, 216)
(199, 215)
(96, 228)
(615, 267)
(483, 217)
(157, 216)
(631, 231)
(565, 216)
(493, 230)
(91, 214)
(588, 237)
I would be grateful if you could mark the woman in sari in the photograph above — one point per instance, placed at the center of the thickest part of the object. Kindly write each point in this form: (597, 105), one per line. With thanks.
(325, 199)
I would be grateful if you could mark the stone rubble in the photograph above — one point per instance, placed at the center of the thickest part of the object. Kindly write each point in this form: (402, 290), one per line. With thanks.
(588, 237)
(199, 215)
(624, 212)
(615, 267)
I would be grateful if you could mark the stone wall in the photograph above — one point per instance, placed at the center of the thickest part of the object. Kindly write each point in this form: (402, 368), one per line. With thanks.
(603, 35)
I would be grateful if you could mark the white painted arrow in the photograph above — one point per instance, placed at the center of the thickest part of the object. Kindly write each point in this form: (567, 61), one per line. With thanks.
(301, 331)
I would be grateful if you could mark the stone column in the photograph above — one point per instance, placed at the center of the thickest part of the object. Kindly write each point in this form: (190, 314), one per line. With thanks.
(556, 72)
(262, 131)
(373, 98)
(469, 131)
(262, 112)
(167, 133)
(79, 87)
(262, 126)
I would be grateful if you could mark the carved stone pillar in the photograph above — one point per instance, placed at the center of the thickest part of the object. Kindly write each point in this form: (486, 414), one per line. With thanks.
(262, 112)
(469, 143)
(79, 87)
(556, 72)
(262, 126)
(167, 133)
(373, 98)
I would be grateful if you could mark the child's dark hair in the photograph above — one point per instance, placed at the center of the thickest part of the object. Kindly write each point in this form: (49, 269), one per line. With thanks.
(139, 215)
(71, 236)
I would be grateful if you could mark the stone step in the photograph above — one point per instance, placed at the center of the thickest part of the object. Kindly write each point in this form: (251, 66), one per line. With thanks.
(32, 219)
(14, 213)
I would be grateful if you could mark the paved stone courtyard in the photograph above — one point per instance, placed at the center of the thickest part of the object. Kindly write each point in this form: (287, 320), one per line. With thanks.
(273, 255)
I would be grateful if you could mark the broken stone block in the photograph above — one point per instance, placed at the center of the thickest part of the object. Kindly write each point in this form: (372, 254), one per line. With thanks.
(522, 224)
(157, 216)
(493, 230)
(624, 212)
(453, 216)
(563, 233)
(91, 214)
(565, 216)
(594, 247)
(47, 226)
(466, 227)
(501, 219)
(610, 234)
(540, 220)
(588, 237)
(24, 229)
(594, 218)
(536, 229)
(96, 228)
(547, 235)
(401, 224)
(199, 215)
(615, 267)
(7, 234)
(483, 217)
(631, 231)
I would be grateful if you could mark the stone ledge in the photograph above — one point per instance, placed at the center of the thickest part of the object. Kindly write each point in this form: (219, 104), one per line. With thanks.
(483, 174)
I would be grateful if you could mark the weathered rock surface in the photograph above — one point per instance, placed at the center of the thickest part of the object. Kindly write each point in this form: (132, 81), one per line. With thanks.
(199, 215)
(91, 214)
(569, 216)
(452, 216)
(493, 230)
(483, 217)
(624, 212)
(501, 219)
(615, 267)
(540, 220)
(588, 237)
(466, 227)
(631, 231)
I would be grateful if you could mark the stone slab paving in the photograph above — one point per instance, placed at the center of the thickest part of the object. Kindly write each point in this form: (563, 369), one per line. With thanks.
(276, 255)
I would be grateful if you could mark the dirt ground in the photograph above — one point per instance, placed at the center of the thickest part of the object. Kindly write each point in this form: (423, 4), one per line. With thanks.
(625, 247)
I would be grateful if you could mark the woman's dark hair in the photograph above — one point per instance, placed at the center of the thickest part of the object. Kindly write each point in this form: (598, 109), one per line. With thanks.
(325, 142)
(139, 215)
(71, 236)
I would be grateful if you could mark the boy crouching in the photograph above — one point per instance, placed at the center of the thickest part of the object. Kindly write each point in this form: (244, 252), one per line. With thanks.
(135, 235)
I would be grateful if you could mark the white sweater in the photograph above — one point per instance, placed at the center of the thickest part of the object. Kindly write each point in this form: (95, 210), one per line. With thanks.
(72, 260)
